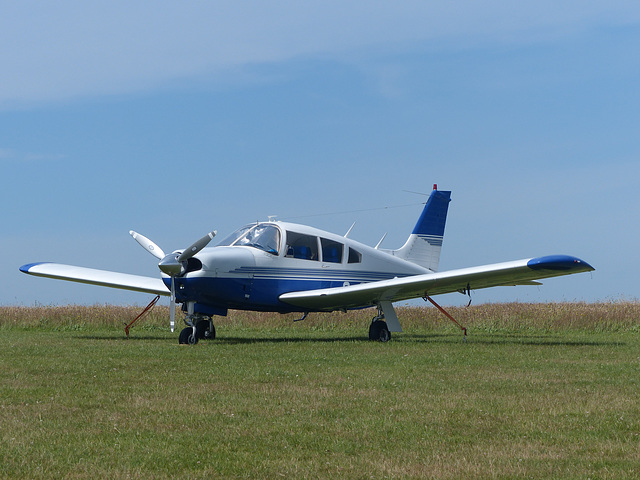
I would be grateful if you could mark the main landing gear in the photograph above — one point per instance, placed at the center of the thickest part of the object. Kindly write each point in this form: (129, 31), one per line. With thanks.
(379, 331)
(386, 321)
(199, 327)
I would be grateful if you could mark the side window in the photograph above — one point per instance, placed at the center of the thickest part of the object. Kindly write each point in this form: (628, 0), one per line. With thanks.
(354, 256)
(301, 246)
(331, 251)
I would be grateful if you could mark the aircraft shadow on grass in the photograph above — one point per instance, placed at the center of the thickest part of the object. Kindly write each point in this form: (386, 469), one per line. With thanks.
(509, 339)
(407, 338)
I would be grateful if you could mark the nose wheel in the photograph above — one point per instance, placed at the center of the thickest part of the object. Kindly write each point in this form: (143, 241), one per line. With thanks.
(199, 327)
(188, 336)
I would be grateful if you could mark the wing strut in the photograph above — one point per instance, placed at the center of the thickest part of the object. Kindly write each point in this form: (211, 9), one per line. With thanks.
(446, 314)
(146, 310)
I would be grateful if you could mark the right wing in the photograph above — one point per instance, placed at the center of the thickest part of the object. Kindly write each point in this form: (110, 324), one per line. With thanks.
(93, 276)
(519, 272)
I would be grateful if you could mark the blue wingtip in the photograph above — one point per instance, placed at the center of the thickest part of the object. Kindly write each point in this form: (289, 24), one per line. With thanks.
(28, 266)
(564, 263)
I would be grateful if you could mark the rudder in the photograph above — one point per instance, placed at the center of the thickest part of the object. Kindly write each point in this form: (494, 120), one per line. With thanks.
(425, 242)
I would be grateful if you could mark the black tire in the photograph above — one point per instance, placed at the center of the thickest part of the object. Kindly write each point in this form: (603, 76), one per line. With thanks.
(205, 330)
(378, 331)
(187, 337)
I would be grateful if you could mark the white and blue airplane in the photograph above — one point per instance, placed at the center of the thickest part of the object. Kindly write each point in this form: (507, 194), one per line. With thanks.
(285, 267)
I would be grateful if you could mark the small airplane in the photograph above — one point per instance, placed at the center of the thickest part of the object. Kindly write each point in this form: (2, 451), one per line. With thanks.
(284, 267)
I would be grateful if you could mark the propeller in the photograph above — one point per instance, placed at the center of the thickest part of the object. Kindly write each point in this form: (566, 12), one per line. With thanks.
(147, 244)
(173, 264)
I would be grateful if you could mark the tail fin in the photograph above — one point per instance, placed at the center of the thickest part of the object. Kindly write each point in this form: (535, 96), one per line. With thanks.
(425, 242)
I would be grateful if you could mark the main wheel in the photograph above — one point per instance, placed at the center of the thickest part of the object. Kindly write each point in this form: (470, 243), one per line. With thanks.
(205, 330)
(379, 331)
(187, 337)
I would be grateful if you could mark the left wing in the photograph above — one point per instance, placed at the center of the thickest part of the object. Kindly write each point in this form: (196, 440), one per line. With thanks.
(519, 272)
(94, 276)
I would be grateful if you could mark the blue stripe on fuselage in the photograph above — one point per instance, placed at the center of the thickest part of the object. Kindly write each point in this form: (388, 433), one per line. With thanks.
(260, 287)
(245, 294)
(326, 274)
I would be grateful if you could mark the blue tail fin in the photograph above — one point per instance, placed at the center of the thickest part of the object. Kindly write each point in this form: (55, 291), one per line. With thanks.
(434, 215)
(425, 242)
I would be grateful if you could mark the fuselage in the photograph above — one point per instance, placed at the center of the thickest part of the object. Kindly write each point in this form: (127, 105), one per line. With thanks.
(251, 268)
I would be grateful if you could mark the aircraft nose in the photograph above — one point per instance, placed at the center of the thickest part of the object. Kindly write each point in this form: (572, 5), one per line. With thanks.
(228, 259)
(170, 265)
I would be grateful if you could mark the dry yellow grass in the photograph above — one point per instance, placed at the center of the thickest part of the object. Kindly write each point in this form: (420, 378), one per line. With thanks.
(602, 316)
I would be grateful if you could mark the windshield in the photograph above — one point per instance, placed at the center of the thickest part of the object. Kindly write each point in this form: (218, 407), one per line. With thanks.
(262, 236)
(234, 236)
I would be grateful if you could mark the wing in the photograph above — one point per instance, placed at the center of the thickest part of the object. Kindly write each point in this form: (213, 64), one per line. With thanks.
(93, 276)
(519, 272)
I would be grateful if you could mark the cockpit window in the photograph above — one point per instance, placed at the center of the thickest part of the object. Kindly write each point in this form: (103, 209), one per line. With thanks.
(331, 251)
(301, 246)
(263, 236)
(354, 256)
(234, 236)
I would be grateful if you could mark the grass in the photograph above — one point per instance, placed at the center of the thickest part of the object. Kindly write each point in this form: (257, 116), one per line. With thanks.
(537, 391)
(607, 316)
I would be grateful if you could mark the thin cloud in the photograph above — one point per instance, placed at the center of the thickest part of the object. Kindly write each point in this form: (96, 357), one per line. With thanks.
(9, 155)
(60, 51)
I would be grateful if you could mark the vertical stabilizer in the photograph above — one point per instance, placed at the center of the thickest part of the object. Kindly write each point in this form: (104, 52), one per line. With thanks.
(425, 242)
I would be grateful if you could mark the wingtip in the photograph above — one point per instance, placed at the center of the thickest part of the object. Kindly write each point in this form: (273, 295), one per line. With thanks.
(26, 268)
(559, 262)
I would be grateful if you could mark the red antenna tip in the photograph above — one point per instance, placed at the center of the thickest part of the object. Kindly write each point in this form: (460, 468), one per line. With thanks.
(435, 186)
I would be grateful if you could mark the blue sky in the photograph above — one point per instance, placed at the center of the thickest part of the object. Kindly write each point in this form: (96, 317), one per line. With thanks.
(207, 115)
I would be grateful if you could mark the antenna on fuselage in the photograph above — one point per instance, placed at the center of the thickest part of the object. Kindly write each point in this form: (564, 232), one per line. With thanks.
(350, 228)
(381, 240)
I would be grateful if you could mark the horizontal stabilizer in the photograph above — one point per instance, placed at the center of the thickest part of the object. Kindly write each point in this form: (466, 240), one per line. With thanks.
(93, 276)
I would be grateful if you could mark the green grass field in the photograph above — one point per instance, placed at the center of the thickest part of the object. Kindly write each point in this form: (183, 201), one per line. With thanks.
(537, 391)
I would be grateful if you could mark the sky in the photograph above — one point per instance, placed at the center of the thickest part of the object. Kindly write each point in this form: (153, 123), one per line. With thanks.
(199, 115)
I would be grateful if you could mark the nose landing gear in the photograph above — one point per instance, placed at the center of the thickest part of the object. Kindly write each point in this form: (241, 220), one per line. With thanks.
(199, 327)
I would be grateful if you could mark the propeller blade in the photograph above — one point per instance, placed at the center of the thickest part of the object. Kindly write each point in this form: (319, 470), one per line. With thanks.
(172, 305)
(147, 244)
(196, 247)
